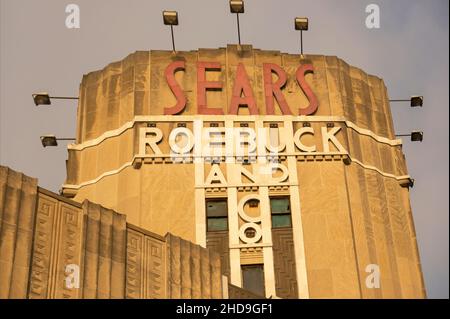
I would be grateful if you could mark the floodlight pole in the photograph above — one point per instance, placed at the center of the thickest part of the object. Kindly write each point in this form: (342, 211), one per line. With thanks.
(173, 39)
(301, 42)
(63, 97)
(238, 29)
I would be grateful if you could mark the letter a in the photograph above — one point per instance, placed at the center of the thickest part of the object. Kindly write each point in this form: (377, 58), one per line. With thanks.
(373, 279)
(73, 19)
(216, 176)
(373, 19)
(242, 85)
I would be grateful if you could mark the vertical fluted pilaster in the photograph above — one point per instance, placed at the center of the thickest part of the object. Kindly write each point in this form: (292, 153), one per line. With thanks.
(17, 213)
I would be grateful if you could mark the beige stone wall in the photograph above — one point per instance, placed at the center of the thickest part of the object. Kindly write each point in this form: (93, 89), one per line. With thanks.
(105, 171)
(17, 215)
(350, 208)
(136, 86)
(142, 196)
(42, 234)
(365, 220)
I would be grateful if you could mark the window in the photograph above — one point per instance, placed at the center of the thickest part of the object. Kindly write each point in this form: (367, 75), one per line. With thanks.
(217, 214)
(281, 212)
(253, 279)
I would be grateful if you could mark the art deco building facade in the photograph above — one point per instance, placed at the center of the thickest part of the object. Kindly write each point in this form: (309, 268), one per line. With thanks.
(281, 174)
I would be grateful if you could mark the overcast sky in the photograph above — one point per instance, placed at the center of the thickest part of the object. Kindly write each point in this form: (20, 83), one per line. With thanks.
(409, 51)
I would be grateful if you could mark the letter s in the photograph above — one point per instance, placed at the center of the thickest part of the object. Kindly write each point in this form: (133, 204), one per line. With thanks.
(171, 69)
(313, 102)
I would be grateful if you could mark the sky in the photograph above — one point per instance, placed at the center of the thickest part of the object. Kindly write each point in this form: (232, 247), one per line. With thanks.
(409, 51)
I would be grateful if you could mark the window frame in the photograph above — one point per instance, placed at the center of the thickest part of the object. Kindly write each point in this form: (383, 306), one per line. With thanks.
(263, 281)
(280, 214)
(209, 200)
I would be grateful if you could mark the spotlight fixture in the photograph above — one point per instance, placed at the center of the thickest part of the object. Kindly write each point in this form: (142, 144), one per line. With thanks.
(415, 100)
(51, 140)
(301, 24)
(48, 140)
(237, 6)
(43, 98)
(171, 18)
(416, 136)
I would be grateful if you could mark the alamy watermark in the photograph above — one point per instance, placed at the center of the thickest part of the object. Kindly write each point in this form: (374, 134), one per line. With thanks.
(72, 278)
(373, 279)
(373, 19)
(73, 17)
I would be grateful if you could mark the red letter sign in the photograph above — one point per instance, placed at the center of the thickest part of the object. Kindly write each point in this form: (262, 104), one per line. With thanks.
(176, 89)
(242, 84)
(203, 86)
(313, 102)
(273, 90)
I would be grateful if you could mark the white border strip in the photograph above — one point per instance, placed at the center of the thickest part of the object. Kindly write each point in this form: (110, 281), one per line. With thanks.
(93, 181)
(127, 164)
(378, 138)
(235, 118)
(373, 168)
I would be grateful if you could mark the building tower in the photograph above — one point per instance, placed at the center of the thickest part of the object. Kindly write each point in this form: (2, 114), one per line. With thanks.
(285, 165)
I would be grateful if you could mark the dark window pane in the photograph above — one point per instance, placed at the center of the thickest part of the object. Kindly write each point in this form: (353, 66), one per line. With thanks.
(216, 208)
(280, 206)
(217, 223)
(250, 232)
(279, 221)
(253, 279)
